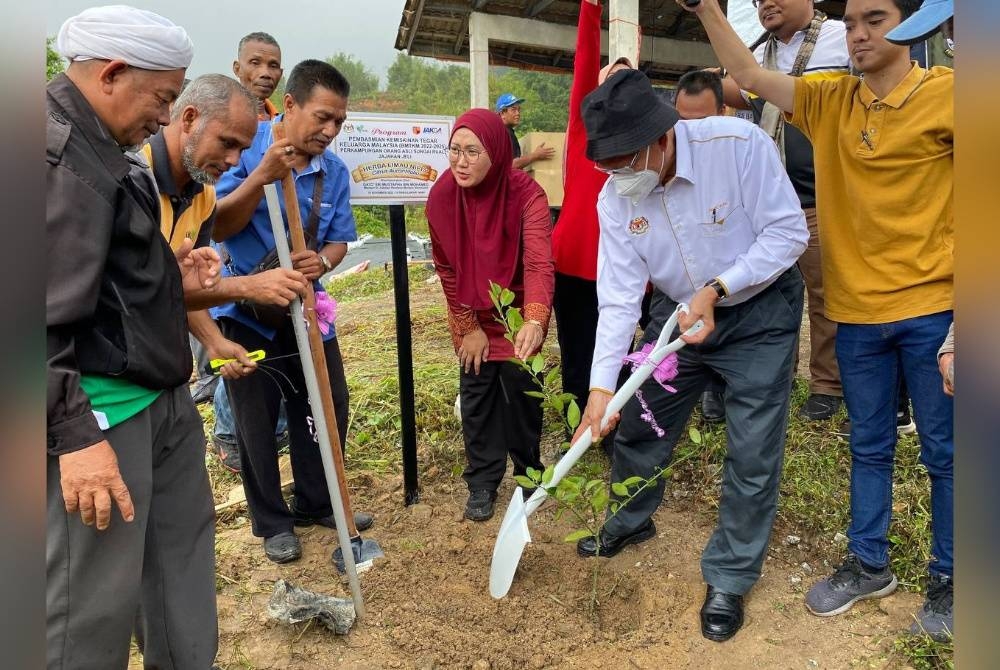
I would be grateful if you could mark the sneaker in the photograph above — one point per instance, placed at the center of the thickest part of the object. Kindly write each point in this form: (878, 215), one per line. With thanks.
(820, 406)
(480, 505)
(850, 583)
(229, 454)
(904, 423)
(935, 619)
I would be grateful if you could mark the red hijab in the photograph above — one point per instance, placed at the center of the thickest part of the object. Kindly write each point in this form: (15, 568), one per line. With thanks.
(479, 228)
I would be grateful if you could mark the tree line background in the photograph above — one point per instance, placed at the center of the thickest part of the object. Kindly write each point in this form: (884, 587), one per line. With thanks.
(423, 86)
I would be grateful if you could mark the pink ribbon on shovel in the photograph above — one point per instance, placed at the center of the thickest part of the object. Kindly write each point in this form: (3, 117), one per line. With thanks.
(326, 311)
(662, 373)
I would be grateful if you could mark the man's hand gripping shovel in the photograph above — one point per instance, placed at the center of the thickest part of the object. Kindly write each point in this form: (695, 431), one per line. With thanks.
(514, 535)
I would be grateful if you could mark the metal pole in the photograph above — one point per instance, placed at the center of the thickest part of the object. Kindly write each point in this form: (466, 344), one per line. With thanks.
(319, 416)
(404, 348)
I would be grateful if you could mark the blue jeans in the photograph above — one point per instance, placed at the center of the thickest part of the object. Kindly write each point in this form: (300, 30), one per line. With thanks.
(870, 358)
(225, 425)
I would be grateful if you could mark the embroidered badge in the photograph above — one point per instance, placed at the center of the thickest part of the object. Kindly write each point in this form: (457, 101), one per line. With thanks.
(638, 226)
(716, 213)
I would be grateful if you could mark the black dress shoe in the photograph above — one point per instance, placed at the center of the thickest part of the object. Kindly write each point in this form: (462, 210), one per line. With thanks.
(362, 520)
(283, 547)
(612, 544)
(713, 407)
(721, 615)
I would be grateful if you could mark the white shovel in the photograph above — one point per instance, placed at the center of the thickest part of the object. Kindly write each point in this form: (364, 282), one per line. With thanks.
(514, 533)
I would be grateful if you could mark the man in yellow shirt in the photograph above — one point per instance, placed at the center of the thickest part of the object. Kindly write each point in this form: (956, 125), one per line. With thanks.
(883, 144)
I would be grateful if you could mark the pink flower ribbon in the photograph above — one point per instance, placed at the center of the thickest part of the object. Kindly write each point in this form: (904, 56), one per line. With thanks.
(662, 373)
(326, 311)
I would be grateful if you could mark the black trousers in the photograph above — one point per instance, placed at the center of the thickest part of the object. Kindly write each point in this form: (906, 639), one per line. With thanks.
(752, 348)
(255, 402)
(497, 419)
(575, 307)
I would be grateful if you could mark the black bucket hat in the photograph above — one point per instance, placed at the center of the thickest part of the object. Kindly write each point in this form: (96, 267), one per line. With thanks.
(624, 115)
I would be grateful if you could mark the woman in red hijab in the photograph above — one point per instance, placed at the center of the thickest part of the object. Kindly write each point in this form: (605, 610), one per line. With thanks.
(490, 222)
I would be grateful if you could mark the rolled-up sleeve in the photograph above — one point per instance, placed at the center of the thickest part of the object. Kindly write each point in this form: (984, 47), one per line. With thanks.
(776, 218)
(621, 283)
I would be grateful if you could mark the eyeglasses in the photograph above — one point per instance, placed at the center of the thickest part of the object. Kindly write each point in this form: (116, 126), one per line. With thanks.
(757, 3)
(472, 154)
(627, 169)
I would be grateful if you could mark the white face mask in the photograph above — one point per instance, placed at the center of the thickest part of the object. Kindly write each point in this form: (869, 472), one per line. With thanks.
(637, 185)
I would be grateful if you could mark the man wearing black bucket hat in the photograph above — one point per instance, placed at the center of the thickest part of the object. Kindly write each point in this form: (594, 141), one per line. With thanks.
(705, 211)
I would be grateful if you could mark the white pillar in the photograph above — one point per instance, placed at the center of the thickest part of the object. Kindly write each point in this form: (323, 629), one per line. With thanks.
(479, 61)
(624, 36)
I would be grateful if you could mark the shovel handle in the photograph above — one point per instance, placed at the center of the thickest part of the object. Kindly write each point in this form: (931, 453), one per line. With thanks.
(298, 240)
(663, 348)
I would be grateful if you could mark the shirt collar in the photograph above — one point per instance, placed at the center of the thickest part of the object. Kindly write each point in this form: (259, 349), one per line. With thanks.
(68, 97)
(684, 168)
(161, 170)
(268, 111)
(898, 95)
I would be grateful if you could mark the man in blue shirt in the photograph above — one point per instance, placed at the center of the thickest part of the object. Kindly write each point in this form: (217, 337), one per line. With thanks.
(315, 105)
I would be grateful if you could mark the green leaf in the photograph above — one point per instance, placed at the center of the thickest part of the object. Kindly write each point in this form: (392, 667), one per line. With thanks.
(619, 489)
(535, 394)
(547, 475)
(592, 484)
(578, 535)
(599, 501)
(509, 337)
(537, 363)
(514, 319)
(506, 297)
(557, 403)
(524, 482)
(694, 434)
(534, 473)
(550, 378)
(635, 480)
(565, 446)
(494, 288)
(615, 506)
(566, 397)
(573, 415)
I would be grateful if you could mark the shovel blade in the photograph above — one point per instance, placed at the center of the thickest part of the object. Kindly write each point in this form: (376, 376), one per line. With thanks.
(510, 543)
(365, 551)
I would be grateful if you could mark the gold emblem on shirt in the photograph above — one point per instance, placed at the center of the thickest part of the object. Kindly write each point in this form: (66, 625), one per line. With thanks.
(638, 226)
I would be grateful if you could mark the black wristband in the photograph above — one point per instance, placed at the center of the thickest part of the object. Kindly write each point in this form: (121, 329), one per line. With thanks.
(717, 286)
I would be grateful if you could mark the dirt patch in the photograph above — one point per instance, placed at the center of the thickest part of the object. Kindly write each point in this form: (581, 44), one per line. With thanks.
(428, 601)
(429, 606)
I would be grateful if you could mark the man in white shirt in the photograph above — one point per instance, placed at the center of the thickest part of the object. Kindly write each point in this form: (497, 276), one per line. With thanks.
(704, 210)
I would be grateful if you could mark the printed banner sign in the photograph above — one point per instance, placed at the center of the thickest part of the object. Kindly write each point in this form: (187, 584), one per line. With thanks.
(393, 158)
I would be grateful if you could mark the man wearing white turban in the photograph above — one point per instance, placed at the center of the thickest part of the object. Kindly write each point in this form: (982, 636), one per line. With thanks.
(122, 429)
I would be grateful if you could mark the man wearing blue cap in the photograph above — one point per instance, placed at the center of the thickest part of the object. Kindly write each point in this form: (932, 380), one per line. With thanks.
(509, 108)
(884, 147)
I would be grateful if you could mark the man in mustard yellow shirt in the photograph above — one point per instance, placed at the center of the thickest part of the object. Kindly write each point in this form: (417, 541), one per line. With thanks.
(883, 144)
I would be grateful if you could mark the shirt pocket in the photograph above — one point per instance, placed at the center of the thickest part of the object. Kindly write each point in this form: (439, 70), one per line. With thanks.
(722, 220)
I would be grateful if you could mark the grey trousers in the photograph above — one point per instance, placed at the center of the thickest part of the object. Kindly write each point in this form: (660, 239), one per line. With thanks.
(752, 348)
(154, 576)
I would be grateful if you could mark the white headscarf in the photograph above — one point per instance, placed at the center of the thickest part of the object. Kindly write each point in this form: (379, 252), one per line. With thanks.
(118, 32)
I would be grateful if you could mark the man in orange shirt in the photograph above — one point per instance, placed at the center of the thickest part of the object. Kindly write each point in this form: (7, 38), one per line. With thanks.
(258, 67)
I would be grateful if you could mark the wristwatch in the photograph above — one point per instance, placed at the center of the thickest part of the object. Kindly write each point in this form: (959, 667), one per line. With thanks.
(718, 287)
(326, 263)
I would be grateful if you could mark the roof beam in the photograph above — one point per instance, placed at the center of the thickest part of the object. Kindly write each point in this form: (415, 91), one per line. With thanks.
(414, 24)
(532, 32)
(537, 8)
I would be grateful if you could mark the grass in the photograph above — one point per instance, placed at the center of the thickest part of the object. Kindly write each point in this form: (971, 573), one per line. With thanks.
(815, 484)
